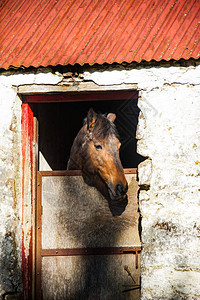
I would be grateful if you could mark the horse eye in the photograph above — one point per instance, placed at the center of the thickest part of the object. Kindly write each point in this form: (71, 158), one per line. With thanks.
(98, 147)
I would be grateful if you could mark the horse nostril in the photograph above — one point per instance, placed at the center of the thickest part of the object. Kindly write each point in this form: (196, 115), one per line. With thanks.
(121, 189)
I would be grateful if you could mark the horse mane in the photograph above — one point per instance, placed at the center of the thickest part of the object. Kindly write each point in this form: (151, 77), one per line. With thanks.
(103, 128)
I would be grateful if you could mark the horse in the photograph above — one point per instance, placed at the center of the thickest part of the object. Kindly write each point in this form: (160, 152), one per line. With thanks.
(95, 151)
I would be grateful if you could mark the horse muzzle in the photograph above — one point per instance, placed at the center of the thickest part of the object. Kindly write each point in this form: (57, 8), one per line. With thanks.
(118, 191)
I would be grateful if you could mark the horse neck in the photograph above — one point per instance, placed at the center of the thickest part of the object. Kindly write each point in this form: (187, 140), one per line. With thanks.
(75, 160)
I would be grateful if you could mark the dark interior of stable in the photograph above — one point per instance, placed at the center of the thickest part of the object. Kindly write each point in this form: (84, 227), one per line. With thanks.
(60, 122)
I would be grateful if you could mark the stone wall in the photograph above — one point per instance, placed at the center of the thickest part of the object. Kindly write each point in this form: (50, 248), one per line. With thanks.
(11, 178)
(10, 187)
(170, 205)
(168, 136)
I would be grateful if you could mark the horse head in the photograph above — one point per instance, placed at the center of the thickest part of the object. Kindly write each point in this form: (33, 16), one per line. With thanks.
(99, 153)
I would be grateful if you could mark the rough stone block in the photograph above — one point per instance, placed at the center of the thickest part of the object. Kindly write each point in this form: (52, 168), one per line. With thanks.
(145, 171)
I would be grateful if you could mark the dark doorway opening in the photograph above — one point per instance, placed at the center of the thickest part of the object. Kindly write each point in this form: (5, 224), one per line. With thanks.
(59, 118)
(60, 121)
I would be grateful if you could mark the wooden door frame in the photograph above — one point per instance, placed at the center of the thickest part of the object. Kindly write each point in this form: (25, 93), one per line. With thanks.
(67, 252)
(29, 163)
(30, 166)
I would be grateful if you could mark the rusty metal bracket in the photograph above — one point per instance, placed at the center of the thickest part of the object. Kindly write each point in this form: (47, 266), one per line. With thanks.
(90, 251)
(134, 250)
(93, 251)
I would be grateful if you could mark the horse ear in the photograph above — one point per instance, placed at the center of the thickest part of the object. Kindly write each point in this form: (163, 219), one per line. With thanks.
(91, 119)
(111, 117)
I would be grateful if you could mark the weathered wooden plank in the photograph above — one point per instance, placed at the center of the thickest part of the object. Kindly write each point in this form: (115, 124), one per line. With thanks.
(76, 215)
(90, 277)
(30, 89)
(27, 199)
(78, 172)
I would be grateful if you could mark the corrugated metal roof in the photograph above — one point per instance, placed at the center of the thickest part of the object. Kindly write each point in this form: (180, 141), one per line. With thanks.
(51, 32)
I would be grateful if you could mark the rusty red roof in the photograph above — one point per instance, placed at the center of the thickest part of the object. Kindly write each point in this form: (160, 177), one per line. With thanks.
(60, 32)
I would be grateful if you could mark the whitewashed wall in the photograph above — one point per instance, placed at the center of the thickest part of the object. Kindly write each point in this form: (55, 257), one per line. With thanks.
(11, 178)
(168, 135)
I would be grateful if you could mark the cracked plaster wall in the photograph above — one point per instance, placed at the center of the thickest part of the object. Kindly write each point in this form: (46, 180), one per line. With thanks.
(11, 176)
(168, 136)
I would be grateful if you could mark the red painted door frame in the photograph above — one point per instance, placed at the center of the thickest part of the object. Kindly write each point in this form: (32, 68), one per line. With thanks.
(29, 170)
(27, 201)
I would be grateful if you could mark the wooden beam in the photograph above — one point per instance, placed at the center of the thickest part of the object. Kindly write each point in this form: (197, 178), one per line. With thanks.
(31, 89)
(27, 200)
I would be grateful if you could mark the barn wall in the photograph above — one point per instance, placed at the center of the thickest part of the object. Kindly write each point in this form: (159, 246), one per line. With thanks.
(11, 180)
(10, 187)
(168, 136)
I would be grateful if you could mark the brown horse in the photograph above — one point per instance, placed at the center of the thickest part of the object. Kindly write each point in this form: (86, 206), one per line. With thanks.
(95, 151)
